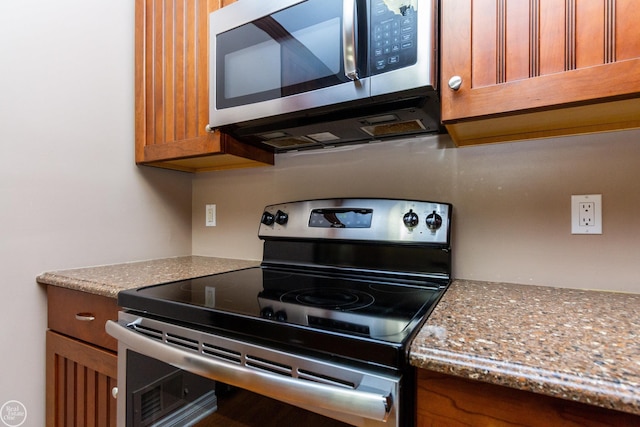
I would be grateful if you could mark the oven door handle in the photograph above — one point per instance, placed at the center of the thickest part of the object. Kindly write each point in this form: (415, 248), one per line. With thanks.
(365, 404)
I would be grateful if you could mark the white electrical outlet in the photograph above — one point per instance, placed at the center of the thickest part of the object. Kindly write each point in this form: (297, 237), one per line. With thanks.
(210, 215)
(586, 214)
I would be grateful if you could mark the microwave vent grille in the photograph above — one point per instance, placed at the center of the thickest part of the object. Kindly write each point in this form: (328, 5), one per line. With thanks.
(290, 142)
(396, 128)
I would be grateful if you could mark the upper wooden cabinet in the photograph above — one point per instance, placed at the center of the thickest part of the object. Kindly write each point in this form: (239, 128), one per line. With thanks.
(539, 68)
(172, 91)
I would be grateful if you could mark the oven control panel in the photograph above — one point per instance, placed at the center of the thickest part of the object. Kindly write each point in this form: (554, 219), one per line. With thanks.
(375, 220)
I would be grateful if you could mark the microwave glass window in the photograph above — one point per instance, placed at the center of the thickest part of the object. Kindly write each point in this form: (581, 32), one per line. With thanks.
(240, 74)
(316, 44)
(292, 51)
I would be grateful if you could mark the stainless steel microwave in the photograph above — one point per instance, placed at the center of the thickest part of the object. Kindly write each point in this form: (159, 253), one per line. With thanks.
(295, 74)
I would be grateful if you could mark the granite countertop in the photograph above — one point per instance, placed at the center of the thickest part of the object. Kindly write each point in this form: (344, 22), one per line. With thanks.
(574, 344)
(108, 280)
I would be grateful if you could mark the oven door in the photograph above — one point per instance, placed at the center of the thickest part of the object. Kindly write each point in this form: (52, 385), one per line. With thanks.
(282, 56)
(354, 396)
(162, 395)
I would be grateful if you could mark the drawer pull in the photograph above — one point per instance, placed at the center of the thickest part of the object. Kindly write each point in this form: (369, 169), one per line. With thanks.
(85, 317)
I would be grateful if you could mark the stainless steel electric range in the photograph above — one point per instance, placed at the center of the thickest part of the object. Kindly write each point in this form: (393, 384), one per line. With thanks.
(324, 323)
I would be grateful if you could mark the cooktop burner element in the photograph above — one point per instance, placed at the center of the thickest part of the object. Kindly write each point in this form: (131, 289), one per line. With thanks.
(331, 298)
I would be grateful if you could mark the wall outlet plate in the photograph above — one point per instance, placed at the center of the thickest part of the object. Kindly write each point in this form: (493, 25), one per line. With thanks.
(210, 215)
(586, 214)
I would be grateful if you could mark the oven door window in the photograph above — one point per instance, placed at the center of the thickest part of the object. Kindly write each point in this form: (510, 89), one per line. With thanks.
(292, 51)
(159, 394)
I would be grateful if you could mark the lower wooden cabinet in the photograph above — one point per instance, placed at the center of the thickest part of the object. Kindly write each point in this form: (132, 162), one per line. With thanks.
(81, 361)
(446, 400)
(80, 380)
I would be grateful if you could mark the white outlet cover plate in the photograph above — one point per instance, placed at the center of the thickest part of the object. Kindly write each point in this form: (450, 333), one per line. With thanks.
(596, 227)
(210, 215)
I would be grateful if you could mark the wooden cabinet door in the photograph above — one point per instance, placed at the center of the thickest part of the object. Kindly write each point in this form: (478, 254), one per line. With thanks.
(80, 380)
(519, 56)
(449, 401)
(172, 90)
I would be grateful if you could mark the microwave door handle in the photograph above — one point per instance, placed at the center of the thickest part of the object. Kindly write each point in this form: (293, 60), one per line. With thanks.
(349, 39)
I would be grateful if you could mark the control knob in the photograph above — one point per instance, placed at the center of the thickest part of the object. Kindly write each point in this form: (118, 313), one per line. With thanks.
(267, 313)
(434, 221)
(267, 218)
(281, 316)
(281, 217)
(410, 219)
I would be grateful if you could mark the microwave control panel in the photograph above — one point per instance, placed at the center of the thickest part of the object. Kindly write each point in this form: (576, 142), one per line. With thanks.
(394, 35)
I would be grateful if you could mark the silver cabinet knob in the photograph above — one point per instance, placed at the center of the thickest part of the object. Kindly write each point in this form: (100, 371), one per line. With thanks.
(114, 392)
(455, 82)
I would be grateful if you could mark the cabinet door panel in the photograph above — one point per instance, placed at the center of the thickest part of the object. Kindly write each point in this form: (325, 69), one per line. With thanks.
(80, 378)
(483, 43)
(627, 16)
(446, 400)
(515, 56)
(517, 64)
(497, 58)
(176, 69)
(551, 50)
(172, 91)
(590, 42)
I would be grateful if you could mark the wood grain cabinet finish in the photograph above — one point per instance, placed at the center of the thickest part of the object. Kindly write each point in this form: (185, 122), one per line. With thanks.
(82, 315)
(539, 68)
(81, 361)
(172, 91)
(448, 401)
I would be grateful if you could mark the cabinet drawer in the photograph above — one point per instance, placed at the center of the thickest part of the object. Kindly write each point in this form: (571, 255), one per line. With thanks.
(81, 315)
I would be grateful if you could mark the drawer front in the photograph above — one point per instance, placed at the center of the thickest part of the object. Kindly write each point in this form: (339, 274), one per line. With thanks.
(81, 315)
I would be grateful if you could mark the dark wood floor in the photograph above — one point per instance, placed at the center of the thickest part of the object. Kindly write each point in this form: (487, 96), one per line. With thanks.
(241, 408)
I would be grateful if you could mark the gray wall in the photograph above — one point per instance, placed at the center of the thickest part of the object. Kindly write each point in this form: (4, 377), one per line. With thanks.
(70, 193)
(511, 201)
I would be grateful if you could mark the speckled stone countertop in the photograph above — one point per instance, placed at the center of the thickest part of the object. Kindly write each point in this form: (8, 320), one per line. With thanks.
(573, 344)
(108, 280)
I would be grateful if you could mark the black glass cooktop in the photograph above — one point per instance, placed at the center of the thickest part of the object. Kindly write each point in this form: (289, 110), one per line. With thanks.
(367, 309)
